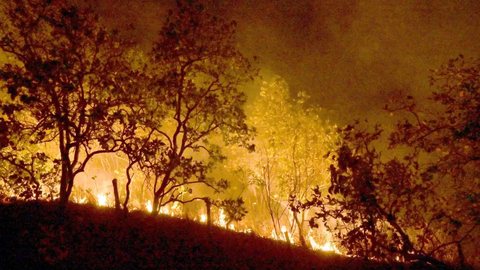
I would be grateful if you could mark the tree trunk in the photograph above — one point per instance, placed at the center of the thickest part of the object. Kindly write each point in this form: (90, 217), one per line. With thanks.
(127, 187)
(64, 186)
(66, 180)
(461, 256)
(155, 206)
(301, 237)
(208, 203)
(117, 197)
(159, 192)
(63, 189)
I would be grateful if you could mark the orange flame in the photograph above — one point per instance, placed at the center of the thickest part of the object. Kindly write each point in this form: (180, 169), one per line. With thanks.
(102, 199)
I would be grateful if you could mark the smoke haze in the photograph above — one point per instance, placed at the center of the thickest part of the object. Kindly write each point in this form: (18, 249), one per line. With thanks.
(350, 56)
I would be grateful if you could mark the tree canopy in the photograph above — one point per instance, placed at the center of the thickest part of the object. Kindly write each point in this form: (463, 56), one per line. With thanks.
(67, 79)
(71, 84)
(196, 74)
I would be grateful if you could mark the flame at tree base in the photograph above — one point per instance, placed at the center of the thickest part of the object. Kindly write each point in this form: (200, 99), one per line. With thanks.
(327, 247)
(101, 199)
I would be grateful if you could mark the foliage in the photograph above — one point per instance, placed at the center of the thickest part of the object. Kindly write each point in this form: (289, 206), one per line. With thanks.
(27, 174)
(234, 208)
(67, 80)
(196, 74)
(422, 204)
(70, 84)
(290, 144)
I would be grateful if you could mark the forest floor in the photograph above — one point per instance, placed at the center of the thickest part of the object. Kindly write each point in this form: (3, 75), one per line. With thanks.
(37, 235)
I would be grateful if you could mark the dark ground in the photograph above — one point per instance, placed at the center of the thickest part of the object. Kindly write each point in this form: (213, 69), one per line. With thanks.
(36, 235)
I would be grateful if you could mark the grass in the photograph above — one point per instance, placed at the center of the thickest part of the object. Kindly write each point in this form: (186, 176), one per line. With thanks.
(37, 235)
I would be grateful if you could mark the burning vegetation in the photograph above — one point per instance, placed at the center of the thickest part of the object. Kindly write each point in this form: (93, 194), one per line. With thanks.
(81, 106)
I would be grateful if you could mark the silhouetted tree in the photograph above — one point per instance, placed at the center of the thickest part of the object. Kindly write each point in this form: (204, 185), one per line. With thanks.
(197, 71)
(234, 209)
(423, 204)
(26, 172)
(67, 79)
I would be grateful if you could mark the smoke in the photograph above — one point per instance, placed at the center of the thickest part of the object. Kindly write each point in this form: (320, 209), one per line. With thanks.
(350, 56)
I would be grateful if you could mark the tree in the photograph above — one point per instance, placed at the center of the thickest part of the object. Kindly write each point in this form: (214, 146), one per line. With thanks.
(290, 143)
(67, 80)
(197, 72)
(26, 172)
(422, 204)
(234, 208)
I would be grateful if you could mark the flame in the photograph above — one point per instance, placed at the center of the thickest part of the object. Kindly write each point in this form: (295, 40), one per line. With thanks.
(174, 210)
(285, 235)
(102, 200)
(82, 200)
(149, 206)
(327, 247)
(222, 218)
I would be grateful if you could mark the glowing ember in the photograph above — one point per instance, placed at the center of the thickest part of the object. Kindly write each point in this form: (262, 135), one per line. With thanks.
(102, 200)
(203, 218)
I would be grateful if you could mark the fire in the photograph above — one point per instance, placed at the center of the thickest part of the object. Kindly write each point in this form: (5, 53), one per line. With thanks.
(327, 247)
(82, 200)
(175, 210)
(285, 235)
(222, 219)
(149, 206)
(102, 200)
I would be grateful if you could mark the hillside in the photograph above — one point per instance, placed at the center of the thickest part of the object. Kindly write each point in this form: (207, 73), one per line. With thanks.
(38, 236)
